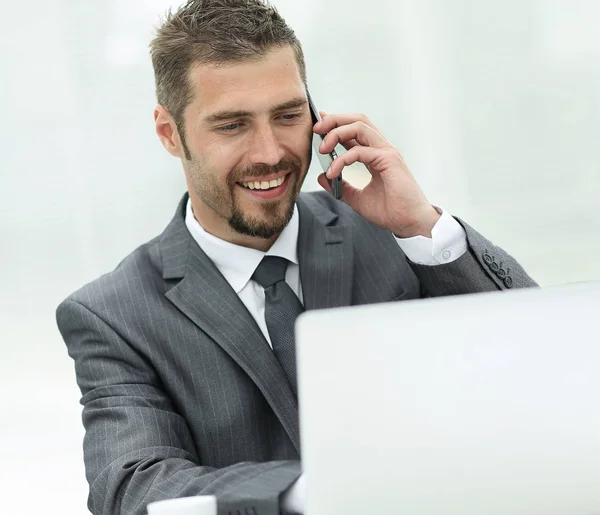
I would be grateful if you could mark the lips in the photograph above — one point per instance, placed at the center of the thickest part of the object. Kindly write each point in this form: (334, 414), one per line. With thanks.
(266, 189)
(262, 185)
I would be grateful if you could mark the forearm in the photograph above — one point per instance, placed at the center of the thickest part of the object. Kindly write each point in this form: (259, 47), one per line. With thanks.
(130, 483)
(138, 448)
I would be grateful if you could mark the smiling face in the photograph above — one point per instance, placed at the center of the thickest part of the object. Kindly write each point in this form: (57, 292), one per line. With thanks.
(248, 131)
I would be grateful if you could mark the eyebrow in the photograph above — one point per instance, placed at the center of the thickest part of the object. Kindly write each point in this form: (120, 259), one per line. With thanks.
(228, 115)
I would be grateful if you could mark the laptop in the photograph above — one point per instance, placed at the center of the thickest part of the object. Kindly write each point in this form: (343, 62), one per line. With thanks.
(485, 404)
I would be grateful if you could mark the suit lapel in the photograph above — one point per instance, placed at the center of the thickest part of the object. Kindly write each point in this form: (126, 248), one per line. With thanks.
(325, 255)
(208, 300)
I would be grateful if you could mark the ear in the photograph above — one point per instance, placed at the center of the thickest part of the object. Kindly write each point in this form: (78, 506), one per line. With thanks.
(166, 131)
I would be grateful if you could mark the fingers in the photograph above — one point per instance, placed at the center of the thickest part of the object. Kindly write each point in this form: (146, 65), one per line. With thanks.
(346, 144)
(349, 144)
(359, 154)
(358, 131)
(349, 130)
(331, 121)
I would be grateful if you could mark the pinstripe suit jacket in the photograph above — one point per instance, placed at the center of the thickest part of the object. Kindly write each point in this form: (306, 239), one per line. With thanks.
(181, 393)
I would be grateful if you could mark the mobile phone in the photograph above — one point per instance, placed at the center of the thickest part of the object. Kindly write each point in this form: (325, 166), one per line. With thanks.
(324, 159)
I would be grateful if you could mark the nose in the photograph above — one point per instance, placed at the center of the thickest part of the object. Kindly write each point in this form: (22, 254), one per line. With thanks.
(266, 148)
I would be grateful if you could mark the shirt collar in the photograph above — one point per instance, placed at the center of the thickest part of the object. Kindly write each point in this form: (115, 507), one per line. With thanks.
(237, 263)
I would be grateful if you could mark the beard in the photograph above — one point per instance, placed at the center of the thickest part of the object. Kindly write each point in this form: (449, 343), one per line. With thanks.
(268, 218)
(265, 229)
(276, 214)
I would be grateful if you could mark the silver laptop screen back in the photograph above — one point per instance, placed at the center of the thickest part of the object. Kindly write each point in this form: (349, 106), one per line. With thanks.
(481, 404)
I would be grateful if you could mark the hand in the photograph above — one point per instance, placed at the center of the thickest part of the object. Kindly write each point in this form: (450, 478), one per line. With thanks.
(392, 200)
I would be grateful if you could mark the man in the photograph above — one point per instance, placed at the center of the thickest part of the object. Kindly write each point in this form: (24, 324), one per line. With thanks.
(183, 353)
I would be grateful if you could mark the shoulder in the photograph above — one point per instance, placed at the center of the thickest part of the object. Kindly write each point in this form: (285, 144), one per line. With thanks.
(138, 272)
(138, 276)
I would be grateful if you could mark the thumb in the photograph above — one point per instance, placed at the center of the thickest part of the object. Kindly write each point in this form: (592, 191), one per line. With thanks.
(324, 182)
(350, 193)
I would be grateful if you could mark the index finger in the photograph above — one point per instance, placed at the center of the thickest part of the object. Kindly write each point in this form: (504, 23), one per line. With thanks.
(331, 121)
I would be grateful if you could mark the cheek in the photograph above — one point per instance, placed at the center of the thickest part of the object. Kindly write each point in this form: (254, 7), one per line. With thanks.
(222, 160)
(300, 143)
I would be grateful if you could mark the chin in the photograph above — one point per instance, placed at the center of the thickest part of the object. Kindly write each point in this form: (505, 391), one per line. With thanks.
(265, 221)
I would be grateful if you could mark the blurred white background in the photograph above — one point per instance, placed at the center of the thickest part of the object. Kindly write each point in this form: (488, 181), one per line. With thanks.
(494, 106)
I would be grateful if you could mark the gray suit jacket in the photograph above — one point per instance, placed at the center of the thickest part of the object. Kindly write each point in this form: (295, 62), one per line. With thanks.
(181, 393)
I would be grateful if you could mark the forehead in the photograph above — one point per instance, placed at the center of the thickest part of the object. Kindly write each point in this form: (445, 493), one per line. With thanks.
(251, 85)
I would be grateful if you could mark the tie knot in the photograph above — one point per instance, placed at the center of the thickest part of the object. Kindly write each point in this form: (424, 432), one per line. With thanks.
(271, 270)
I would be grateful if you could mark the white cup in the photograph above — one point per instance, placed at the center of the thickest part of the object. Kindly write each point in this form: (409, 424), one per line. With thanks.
(198, 505)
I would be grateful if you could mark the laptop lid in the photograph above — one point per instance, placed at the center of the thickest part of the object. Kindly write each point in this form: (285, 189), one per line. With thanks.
(479, 404)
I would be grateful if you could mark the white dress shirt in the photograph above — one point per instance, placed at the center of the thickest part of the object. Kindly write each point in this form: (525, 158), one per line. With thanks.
(237, 264)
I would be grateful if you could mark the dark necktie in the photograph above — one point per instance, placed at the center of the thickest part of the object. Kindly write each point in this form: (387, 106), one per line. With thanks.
(282, 307)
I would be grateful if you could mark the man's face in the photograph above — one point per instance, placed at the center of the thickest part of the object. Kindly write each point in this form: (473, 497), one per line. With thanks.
(248, 130)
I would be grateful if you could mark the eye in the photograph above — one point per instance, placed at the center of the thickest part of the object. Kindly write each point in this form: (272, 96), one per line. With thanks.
(290, 117)
(229, 128)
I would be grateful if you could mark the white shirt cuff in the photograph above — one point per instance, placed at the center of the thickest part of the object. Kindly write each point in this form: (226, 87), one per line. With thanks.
(294, 499)
(447, 243)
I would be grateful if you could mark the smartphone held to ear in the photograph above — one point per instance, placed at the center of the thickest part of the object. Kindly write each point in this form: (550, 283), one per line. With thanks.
(324, 159)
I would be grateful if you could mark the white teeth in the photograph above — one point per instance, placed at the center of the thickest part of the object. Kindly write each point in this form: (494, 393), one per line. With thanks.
(263, 185)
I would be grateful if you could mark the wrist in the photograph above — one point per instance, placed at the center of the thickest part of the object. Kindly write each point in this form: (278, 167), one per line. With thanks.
(423, 225)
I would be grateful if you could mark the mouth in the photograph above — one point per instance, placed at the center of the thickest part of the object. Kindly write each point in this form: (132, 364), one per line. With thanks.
(268, 188)
(263, 185)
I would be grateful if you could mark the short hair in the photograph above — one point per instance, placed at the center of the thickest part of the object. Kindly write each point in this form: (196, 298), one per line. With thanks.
(213, 32)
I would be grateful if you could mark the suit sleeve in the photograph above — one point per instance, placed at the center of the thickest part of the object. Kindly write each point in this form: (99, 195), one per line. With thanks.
(483, 267)
(137, 448)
